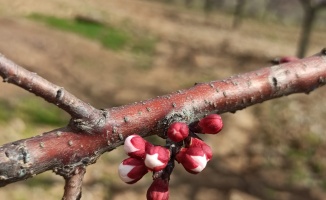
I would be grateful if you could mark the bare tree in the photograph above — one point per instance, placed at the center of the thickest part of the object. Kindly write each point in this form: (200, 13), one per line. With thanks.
(311, 9)
(208, 5)
(238, 13)
(91, 132)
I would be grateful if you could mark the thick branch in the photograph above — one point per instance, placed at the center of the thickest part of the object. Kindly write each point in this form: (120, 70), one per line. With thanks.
(65, 149)
(12, 73)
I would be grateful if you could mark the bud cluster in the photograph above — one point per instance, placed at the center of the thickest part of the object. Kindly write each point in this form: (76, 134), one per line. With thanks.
(144, 157)
(196, 153)
(189, 150)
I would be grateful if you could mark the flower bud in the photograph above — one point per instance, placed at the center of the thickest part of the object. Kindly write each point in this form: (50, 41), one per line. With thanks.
(135, 146)
(178, 131)
(193, 159)
(159, 190)
(157, 158)
(211, 124)
(132, 170)
(181, 154)
(287, 59)
(195, 142)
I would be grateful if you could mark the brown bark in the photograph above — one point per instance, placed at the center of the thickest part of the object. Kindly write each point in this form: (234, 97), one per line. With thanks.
(73, 184)
(66, 149)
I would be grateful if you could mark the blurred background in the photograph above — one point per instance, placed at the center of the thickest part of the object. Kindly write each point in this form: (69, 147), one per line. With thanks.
(114, 52)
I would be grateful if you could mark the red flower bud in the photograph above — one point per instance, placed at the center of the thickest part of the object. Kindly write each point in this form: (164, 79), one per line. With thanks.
(211, 124)
(181, 154)
(156, 158)
(135, 146)
(195, 142)
(132, 170)
(178, 131)
(287, 59)
(159, 190)
(193, 159)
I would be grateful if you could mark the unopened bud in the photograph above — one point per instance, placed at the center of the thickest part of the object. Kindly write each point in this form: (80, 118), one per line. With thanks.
(135, 146)
(159, 190)
(287, 59)
(157, 158)
(193, 159)
(132, 170)
(178, 131)
(211, 124)
(195, 142)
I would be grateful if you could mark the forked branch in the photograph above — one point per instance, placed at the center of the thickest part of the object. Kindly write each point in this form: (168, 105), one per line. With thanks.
(84, 115)
(66, 149)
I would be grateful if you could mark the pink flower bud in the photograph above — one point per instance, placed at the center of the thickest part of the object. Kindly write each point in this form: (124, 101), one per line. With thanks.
(287, 59)
(132, 170)
(181, 154)
(157, 158)
(178, 131)
(195, 142)
(211, 124)
(193, 159)
(159, 190)
(135, 146)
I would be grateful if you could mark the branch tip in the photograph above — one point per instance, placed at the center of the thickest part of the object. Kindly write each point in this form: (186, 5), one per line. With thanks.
(323, 51)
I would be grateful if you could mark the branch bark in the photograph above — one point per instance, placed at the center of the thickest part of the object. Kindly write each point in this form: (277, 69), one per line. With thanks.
(73, 185)
(66, 149)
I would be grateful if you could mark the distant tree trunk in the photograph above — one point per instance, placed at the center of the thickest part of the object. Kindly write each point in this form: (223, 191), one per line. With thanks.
(238, 13)
(219, 3)
(188, 3)
(311, 8)
(208, 6)
(308, 21)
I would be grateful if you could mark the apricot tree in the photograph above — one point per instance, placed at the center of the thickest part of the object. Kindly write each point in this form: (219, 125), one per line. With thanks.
(91, 132)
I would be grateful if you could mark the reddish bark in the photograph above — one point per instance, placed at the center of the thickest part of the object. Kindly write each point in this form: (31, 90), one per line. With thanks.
(63, 150)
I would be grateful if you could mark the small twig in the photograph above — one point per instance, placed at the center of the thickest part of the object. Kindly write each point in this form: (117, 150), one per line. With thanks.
(73, 185)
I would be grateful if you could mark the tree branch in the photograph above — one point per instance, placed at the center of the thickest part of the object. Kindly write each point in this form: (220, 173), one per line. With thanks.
(73, 184)
(85, 116)
(63, 150)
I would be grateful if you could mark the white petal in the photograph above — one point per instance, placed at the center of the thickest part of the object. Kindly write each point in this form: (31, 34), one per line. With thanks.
(201, 161)
(128, 146)
(152, 161)
(123, 172)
